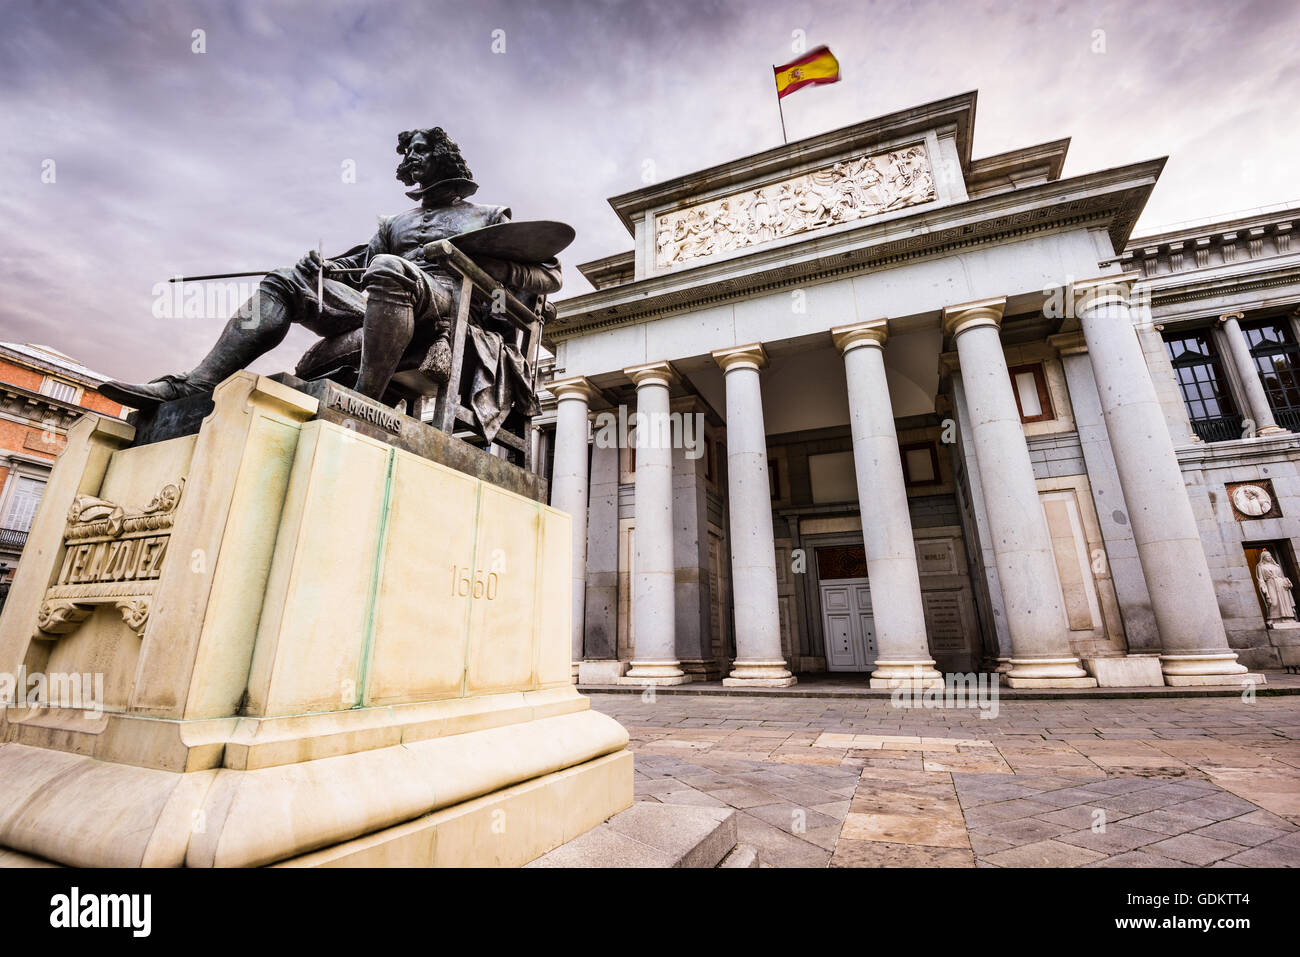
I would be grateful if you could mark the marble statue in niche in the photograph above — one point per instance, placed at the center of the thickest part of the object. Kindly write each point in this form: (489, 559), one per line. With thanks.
(1276, 590)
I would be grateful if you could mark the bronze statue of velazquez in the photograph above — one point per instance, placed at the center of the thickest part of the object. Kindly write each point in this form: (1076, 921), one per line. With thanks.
(392, 294)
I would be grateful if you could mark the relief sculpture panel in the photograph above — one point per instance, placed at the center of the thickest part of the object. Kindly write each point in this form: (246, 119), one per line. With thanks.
(840, 193)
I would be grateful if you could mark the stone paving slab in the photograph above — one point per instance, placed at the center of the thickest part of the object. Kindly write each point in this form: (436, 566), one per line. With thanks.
(1139, 782)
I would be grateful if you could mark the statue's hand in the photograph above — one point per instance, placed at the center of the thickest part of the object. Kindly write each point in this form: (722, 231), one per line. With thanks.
(312, 262)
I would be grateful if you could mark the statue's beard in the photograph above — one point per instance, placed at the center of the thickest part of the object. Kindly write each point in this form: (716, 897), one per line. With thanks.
(411, 172)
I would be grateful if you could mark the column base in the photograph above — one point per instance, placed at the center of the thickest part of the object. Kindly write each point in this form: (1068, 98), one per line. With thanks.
(1182, 671)
(1272, 430)
(917, 675)
(759, 674)
(655, 673)
(604, 671)
(701, 669)
(1047, 673)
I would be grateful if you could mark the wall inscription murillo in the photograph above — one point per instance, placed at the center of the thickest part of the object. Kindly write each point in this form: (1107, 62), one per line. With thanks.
(839, 193)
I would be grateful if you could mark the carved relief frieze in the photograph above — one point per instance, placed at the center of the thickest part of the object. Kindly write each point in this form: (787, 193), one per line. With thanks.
(111, 556)
(840, 193)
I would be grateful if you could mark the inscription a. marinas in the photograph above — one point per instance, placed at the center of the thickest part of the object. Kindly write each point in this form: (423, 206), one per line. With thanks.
(373, 413)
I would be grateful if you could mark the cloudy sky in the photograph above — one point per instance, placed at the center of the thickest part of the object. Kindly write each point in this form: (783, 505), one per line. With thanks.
(166, 160)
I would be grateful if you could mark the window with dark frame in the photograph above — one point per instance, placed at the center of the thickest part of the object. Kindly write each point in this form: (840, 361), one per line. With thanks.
(1197, 368)
(1029, 384)
(920, 464)
(1277, 359)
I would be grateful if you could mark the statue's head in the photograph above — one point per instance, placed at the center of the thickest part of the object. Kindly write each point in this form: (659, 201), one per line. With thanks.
(429, 156)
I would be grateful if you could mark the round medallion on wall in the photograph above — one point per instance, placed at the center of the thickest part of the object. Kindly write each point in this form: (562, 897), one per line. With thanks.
(1252, 500)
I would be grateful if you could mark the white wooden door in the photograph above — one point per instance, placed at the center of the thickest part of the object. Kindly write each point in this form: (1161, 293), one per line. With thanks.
(847, 625)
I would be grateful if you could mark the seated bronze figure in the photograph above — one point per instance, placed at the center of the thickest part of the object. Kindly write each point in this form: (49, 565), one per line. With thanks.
(387, 305)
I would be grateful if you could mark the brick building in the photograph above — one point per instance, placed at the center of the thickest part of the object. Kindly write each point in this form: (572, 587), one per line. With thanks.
(41, 394)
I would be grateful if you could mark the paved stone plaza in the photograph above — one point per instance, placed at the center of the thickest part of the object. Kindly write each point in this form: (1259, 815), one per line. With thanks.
(855, 782)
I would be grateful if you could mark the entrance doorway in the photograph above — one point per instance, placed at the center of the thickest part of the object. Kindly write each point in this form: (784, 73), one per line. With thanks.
(847, 623)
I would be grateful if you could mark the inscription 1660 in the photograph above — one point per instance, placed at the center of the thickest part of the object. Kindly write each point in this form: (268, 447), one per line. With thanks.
(480, 586)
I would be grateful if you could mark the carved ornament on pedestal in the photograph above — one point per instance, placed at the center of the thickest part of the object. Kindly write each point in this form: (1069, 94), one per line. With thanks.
(111, 556)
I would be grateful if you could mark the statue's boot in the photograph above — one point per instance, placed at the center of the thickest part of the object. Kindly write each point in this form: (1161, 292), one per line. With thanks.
(389, 326)
(255, 329)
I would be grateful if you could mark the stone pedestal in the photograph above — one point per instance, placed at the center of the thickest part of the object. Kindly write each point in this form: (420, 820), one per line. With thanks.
(314, 647)
(1126, 671)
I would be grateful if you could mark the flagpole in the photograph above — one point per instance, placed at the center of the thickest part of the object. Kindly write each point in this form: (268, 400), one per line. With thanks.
(779, 109)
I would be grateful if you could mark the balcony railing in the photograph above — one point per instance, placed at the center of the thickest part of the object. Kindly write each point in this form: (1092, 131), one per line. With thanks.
(1223, 428)
(13, 538)
(1288, 418)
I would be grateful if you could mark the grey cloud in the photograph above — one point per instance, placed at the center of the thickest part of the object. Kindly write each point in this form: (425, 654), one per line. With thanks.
(172, 162)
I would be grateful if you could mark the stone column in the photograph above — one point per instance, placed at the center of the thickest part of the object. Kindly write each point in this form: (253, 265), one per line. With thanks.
(1256, 398)
(569, 487)
(1022, 547)
(653, 579)
(600, 664)
(759, 662)
(903, 659)
(691, 541)
(1140, 632)
(1169, 547)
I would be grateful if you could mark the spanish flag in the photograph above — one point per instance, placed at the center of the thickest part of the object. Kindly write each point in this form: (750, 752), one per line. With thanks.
(815, 66)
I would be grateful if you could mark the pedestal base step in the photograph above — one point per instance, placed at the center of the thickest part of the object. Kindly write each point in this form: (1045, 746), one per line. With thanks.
(653, 835)
(1129, 671)
(1011, 682)
(759, 682)
(742, 855)
(1203, 681)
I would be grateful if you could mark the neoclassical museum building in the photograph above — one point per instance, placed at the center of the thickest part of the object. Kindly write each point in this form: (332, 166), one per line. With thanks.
(952, 415)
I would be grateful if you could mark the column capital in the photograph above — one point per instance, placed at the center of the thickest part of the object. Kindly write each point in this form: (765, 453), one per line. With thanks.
(873, 332)
(574, 387)
(652, 373)
(1225, 317)
(1115, 287)
(967, 315)
(1068, 343)
(752, 356)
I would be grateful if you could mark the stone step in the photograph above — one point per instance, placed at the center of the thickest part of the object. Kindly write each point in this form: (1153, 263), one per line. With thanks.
(742, 855)
(649, 834)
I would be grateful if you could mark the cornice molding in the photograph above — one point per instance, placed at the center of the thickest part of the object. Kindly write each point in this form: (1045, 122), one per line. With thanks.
(1113, 198)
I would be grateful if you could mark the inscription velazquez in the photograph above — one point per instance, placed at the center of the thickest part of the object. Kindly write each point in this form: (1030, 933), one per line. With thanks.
(112, 556)
(351, 405)
(129, 559)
